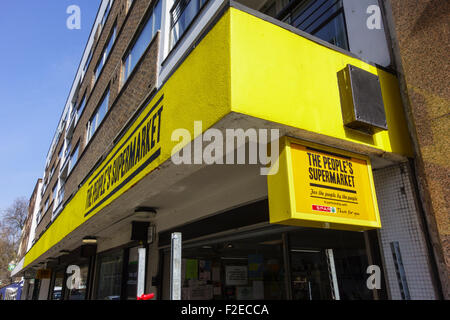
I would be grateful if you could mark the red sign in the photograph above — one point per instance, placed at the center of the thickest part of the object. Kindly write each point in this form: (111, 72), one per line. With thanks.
(316, 207)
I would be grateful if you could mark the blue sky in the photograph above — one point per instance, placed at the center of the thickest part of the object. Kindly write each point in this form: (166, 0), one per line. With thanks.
(39, 56)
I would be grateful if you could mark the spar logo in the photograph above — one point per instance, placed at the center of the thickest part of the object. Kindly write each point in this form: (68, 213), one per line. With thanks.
(316, 207)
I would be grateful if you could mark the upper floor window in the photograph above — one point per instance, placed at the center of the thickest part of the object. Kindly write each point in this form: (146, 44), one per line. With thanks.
(98, 115)
(107, 10)
(44, 187)
(61, 194)
(182, 14)
(321, 18)
(152, 25)
(52, 171)
(105, 53)
(68, 148)
(60, 152)
(46, 205)
(88, 61)
(81, 107)
(54, 191)
(73, 158)
(38, 216)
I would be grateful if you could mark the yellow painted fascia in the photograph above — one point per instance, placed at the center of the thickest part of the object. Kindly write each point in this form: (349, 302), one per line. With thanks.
(280, 76)
(198, 90)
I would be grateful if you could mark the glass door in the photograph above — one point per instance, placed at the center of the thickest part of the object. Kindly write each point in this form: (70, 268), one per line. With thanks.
(309, 274)
(57, 285)
(109, 283)
(132, 273)
(328, 264)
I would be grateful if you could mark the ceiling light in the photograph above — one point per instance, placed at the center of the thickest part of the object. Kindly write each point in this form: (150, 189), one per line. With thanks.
(145, 212)
(305, 250)
(89, 240)
(272, 242)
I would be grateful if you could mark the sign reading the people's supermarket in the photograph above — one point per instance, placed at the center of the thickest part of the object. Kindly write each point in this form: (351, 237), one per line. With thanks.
(323, 187)
(136, 150)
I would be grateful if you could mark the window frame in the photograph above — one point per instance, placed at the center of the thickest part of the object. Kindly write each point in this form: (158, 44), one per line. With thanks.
(38, 217)
(103, 58)
(145, 20)
(106, 13)
(292, 12)
(54, 190)
(52, 171)
(60, 152)
(71, 162)
(46, 205)
(82, 105)
(60, 194)
(202, 5)
(89, 136)
(88, 61)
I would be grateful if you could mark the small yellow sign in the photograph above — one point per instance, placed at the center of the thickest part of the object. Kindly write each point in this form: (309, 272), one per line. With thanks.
(319, 186)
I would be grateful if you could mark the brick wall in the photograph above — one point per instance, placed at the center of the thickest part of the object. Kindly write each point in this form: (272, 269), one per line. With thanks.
(123, 101)
(51, 181)
(27, 227)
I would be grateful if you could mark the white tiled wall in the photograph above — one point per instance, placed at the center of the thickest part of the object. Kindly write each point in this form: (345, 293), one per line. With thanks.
(400, 222)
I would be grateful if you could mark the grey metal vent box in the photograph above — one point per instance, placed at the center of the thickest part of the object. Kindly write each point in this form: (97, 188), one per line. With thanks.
(362, 101)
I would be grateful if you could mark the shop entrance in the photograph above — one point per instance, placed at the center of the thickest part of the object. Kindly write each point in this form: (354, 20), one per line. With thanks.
(309, 275)
(274, 263)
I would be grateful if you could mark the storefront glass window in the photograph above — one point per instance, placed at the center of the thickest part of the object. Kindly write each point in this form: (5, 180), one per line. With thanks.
(132, 271)
(234, 270)
(253, 267)
(110, 276)
(310, 270)
(57, 286)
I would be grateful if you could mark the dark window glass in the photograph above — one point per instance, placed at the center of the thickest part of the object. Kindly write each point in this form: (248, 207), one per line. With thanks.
(57, 286)
(152, 25)
(182, 14)
(104, 55)
(97, 118)
(245, 269)
(81, 107)
(110, 276)
(132, 271)
(321, 18)
(253, 267)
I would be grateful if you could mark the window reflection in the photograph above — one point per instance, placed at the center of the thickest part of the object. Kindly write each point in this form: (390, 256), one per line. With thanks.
(110, 276)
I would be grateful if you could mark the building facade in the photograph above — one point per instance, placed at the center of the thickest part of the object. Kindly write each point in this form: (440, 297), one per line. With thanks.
(167, 130)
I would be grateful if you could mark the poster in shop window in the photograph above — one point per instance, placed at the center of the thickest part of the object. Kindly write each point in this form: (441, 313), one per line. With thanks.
(204, 270)
(236, 275)
(320, 186)
(191, 269)
(255, 266)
